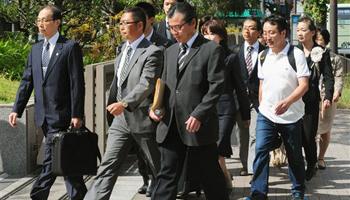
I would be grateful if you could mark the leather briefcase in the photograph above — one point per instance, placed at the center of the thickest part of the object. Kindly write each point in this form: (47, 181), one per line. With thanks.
(75, 153)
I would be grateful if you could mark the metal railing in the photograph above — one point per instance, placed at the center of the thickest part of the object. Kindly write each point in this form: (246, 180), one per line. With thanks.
(346, 63)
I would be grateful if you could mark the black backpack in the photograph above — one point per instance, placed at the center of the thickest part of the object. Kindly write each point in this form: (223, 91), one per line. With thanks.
(290, 55)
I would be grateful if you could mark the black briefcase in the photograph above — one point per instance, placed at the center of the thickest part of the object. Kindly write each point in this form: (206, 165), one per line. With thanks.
(75, 153)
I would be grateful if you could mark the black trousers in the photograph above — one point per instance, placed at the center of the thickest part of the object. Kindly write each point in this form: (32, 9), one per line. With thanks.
(143, 165)
(75, 185)
(310, 125)
(202, 163)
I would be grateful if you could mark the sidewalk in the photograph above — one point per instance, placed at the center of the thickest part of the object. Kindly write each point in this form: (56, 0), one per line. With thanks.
(330, 184)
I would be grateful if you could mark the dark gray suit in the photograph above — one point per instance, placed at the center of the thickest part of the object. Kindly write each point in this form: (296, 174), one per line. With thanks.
(164, 32)
(133, 123)
(192, 91)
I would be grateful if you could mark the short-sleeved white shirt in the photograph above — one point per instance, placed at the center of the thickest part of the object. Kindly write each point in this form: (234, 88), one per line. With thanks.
(279, 81)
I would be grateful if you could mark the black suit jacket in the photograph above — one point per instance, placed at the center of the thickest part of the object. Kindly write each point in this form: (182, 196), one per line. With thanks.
(193, 91)
(160, 41)
(233, 83)
(251, 81)
(313, 94)
(60, 95)
(161, 30)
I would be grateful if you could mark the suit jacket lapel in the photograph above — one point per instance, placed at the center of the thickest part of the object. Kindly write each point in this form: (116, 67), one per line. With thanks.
(242, 62)
(193, 50)
(54, 56)
(37, 59)
(141, 48)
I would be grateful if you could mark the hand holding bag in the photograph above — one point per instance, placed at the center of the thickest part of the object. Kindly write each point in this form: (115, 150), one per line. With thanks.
(75, 153)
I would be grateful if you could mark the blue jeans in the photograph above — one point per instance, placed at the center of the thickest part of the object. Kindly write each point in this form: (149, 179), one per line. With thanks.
(266, 137)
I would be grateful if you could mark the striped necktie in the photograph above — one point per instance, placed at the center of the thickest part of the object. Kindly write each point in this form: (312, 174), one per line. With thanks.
(124, 71)
(45, 57)
(248, 60)
(182, 55)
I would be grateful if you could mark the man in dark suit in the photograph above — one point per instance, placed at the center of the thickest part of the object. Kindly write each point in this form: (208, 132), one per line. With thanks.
(55, 71)
(163, 43)
(248, 61)
(162, 26)
(136, 69)
(194, 80)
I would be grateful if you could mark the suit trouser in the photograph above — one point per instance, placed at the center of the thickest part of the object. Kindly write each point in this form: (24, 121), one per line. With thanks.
(247, 137)
(119, 143)
(310, 125)
(202, 164)
(144, 168)
(75, 185)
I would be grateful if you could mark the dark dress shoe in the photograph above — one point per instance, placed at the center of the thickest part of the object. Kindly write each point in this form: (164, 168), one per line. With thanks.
(143, 189)
(310, 172)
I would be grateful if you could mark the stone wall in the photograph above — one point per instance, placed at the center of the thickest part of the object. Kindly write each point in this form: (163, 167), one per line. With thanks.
(19, 146)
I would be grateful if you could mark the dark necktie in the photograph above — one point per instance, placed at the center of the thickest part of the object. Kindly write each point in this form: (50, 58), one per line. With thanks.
(124, 72)
(45, 58)
(248, 60)
(182, 55)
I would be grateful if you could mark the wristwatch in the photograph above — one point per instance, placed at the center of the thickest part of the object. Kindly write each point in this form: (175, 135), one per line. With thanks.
(124, 103)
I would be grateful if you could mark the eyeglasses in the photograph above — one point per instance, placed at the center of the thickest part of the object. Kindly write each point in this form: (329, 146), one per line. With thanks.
(249, 28)
(176, 28)
(124, 23)
(43, 20)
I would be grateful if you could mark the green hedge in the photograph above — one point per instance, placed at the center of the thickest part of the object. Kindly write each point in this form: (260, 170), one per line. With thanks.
(13, 55)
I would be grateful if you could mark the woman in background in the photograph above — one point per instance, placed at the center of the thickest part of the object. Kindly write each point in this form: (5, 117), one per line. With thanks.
(215, 30)
(326, 118)
(319, 63)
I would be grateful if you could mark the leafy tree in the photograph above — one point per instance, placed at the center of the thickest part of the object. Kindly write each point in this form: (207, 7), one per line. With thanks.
(317, 9)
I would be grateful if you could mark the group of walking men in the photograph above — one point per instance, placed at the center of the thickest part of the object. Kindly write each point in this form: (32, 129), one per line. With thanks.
(192, 69)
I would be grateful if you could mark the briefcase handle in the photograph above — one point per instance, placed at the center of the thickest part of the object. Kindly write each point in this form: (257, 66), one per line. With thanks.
(84, 130)
(81, 130)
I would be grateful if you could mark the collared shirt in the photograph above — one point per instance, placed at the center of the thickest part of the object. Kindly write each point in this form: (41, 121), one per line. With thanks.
(190, 42)
(133, 45)
(167, 30)
(279, 81)
(52, 41)
(150, 35)
(255, 52)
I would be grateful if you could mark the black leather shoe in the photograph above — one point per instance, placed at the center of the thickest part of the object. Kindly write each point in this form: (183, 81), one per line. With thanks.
(310, 172)
(143, 189)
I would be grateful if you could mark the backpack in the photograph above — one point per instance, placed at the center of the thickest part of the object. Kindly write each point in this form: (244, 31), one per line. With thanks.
(290, 55)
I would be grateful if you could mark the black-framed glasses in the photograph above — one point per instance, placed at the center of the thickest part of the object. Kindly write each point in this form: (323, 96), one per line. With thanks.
(43, 20)
(124, 23)
(176, 27)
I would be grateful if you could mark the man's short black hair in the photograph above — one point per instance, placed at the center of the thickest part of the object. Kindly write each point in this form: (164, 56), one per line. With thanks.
(257, 22)
(184, 8)
(138, 15)
(147, 8)
(280, 21)
(56, 12)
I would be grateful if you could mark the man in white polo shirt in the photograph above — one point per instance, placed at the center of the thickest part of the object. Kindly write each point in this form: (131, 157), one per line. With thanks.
(281, 108)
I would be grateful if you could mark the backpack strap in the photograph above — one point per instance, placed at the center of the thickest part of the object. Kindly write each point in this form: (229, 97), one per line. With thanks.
(263, 56)
(291, 57)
